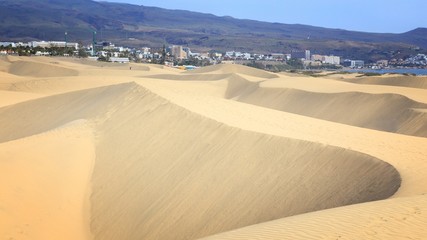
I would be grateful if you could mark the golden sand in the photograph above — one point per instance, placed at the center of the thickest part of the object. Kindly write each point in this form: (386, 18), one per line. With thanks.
(93, 150)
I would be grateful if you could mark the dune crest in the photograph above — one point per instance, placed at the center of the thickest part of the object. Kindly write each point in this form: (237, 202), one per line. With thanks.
(235, 68)
(385, 112)
(37, 69)
(391, 80)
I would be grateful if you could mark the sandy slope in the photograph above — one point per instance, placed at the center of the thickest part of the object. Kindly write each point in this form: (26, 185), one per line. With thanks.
(402, 218)
(385, 108)
(389, 147)
(35, 69)
(182, 181)
(11, 97)
(44, 184)
(184, 155)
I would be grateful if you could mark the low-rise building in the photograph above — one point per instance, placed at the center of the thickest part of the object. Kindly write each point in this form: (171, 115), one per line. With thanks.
(216, 55)
(335, 60)
(317, 57)
(278, 56)
(357, 64)
(382, 63)
(119, 60)
(40, 53)
(50, 44)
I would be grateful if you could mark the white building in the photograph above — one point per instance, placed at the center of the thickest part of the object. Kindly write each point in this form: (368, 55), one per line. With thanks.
(357, 64)
(231, 54)
(331, 60)
(50, 44)
(317, 57)
(216, 55)
(14, 44)
(246, 56)
(178, 52)
(238, 55)
(278, 56)
(307, 55)
(119, 60)
(187, 50)
(39, 53)
(382, 63)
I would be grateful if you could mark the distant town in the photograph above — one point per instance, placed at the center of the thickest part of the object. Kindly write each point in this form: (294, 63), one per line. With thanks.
(183, 57)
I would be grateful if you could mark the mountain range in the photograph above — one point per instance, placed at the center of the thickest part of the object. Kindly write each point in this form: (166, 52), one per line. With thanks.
(132, 25)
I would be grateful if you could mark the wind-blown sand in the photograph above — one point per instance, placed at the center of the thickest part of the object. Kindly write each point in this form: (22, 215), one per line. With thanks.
(98, 151)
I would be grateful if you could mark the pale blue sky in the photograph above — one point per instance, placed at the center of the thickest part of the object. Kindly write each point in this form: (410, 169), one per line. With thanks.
(391, 16)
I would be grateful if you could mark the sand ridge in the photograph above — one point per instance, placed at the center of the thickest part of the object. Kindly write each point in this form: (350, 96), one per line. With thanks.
(234, 68)
(184, 155)
(380, 108)
(390, 80)
(36, 69)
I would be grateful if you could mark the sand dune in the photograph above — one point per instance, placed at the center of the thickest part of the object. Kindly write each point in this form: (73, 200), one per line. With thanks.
(324, 85)
(35, 69)
(192, 77)
(191, 187)
(235, 68)
(5, 63)
(386, 146)
(9, 97)
(88, 105)
(222, 153)
(391, 80)
(385, 112)
(153, 153)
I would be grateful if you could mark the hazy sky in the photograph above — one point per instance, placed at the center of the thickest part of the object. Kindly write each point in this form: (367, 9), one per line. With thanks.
(393, 16)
